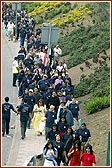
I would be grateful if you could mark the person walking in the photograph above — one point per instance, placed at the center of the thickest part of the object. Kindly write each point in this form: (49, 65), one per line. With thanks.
(54, 100)
(57, 53)
(31, 103)
(39, 111)
(59, 145)
(50, 117)
(67, 139)
(10, 28)
(62, 125)
(25, 112)
(6, 114)
(15, 71)
(22, 35)
(68, 115)
(50, 154)
(51, 54)
(88, 158)
(74, 108)
(74, 154)
(53, 133)
(83, 134)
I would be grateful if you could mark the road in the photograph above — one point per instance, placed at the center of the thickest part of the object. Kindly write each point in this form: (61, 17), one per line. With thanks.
(7, 90)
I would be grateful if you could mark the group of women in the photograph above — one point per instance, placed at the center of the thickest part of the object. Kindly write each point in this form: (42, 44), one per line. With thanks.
(54, 153)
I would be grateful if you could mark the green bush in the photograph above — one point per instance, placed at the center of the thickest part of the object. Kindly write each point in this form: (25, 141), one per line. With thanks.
(97, 104)
(97, 83)
(39, 20)
(29, 6)
(51, 15)
(65, 9)
(100, 92)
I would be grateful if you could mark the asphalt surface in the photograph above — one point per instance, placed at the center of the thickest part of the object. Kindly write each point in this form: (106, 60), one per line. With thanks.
(7, 90)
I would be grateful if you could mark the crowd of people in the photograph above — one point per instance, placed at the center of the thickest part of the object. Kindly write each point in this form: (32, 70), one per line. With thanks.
(47, 95)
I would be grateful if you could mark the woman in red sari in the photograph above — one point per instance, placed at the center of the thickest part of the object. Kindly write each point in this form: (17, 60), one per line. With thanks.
(75, 154)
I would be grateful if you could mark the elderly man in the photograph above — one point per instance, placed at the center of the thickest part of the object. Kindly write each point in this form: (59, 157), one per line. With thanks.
(57, 53)
(68, 115)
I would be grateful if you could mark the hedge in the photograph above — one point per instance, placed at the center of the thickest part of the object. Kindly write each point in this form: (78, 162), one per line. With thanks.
(97, 104)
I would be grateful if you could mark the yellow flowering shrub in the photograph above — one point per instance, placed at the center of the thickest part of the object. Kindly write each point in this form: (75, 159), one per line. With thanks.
(45, 6)
(62, 19)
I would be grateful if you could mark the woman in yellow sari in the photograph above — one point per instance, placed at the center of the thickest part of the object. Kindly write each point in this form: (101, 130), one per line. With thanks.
(39, 114)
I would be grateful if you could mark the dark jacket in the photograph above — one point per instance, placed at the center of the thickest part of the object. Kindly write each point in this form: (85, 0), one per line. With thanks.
(50, 118)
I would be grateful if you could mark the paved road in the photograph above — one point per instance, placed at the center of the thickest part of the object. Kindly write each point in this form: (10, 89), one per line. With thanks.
(7, 90)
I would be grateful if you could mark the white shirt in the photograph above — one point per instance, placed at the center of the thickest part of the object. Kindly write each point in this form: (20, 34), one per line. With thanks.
(57, 52)
(14, 67)
(10, 26)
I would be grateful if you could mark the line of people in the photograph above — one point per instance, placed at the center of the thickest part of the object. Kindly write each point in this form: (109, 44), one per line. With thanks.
(47, 100)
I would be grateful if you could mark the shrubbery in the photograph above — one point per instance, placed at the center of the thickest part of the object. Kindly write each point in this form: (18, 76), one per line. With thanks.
(29, 6)
(85, 42)
(39, 20)
(98, 84)
(97, 104)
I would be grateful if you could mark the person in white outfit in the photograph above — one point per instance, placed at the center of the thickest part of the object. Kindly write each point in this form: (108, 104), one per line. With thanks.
(10, 27)
(57, 53)
(15, 71)
(50, 154)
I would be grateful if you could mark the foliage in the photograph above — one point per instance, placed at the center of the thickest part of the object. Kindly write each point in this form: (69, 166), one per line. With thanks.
(97, 83)
(45, 7)
(70, 16)
(29, 6)
(39, 20)
(63, 14)
(65, 9)
(85, 42)
(100, 92)
(97, 104)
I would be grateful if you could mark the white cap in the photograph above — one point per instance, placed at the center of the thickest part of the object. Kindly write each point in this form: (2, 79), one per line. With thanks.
(30, 90)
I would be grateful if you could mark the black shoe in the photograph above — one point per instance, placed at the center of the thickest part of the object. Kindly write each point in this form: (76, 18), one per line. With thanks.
(22, 138)
(40, 133)
(2, 134)
(65, 164)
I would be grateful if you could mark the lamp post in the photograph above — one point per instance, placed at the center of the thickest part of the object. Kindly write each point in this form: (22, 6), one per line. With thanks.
(49, 38)
(49, 35)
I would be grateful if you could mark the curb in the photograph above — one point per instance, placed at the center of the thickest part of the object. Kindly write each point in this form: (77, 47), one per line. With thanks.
(15, 146)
